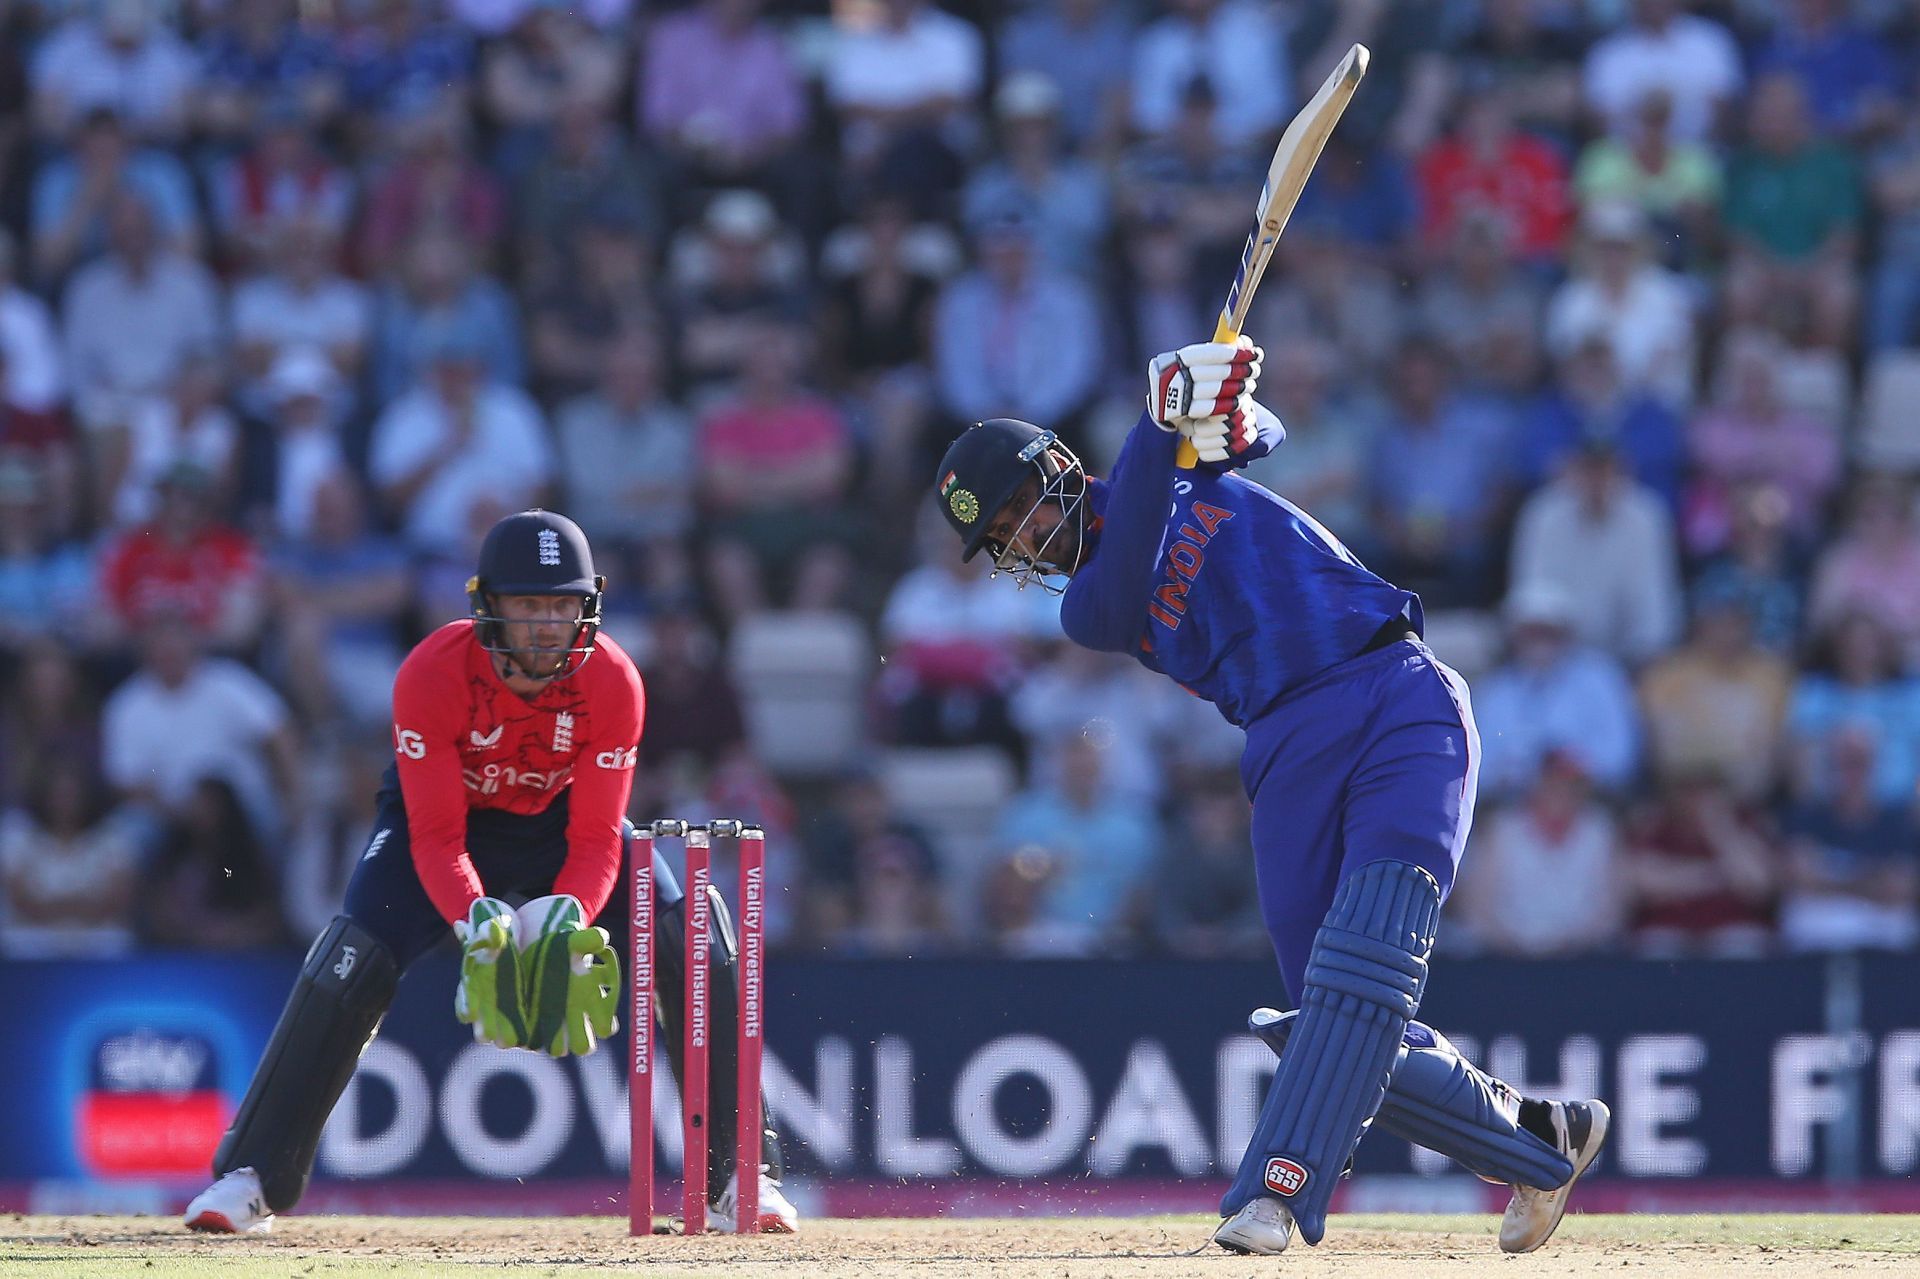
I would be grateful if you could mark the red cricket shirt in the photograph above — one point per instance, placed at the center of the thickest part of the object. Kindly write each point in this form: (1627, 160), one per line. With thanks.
(464, 740)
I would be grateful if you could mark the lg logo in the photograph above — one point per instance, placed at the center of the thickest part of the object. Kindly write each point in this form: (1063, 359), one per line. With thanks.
(409, 743)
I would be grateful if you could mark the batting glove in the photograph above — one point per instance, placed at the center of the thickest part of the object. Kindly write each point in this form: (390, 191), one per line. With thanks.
(1204, 380)
(570, 977)
(1224, 437)
(488, 996)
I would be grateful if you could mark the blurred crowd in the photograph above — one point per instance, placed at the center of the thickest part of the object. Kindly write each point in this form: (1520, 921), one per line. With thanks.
(1599, 326)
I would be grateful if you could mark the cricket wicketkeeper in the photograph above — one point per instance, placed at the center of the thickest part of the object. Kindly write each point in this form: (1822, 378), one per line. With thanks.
(1361, 762)
(515, 733)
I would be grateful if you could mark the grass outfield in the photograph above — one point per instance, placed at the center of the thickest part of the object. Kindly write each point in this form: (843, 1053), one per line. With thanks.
(960, 1248)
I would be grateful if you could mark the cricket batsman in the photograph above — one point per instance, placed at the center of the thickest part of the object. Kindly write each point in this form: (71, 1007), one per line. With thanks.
(515, 733)
(1360, 761)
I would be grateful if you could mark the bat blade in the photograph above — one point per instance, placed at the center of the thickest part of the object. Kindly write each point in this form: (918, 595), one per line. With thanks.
(1293, 162)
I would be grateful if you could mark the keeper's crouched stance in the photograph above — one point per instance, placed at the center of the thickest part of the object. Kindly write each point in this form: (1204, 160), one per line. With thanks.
(515, 737)
(1360, 763)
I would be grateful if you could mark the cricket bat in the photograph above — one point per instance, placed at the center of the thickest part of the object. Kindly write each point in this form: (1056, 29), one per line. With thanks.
(1293, 162)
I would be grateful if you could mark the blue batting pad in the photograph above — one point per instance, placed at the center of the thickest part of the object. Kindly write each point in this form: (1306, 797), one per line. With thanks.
(1364, 979)
(1440, 1100)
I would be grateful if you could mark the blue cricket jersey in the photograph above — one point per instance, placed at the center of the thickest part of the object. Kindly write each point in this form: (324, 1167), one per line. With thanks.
(1221, 584)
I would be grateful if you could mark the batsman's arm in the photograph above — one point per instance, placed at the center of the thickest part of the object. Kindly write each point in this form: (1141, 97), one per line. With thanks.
(1105, 606)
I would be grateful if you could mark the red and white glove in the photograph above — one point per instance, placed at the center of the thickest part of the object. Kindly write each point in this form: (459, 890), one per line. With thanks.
(1205, 393)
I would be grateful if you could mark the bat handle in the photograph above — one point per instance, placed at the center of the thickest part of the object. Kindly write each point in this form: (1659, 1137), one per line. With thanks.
(1185, 457)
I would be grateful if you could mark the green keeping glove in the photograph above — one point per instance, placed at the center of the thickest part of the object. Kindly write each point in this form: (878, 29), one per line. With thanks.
(570, 977)
(489, 995)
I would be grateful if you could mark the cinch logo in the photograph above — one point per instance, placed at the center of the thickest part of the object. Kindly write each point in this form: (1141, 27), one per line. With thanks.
(1184, 560)
(1285, 1177)
(618, 759)
(490, 779)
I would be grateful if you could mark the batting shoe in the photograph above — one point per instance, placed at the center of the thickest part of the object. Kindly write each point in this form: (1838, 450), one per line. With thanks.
(1264, 1227)
(1579, 1130)
(778, 1216)
(233, 1205)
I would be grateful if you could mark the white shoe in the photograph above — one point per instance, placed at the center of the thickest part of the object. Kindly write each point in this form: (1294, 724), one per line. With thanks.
(1579, 1130)
(233, 1205)
(1264, 1227)
(778, 1216)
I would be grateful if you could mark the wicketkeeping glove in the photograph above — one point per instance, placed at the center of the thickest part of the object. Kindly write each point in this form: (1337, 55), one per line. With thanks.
(1204, 380)
(570, 977)
(488, 997)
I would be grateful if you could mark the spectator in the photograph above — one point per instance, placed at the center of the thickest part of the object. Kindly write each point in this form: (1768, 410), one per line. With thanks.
(588, 166)
(67, 869)
(575, 319)
(1363, 195)
(1701, 872)
(1893, 172)
(1067, 196)
(1408, 76)
(1641, 309)
(1205, 904)
(903, 82)
(440, 287)
(433, 185)
(1604, 538)
(1692, 60)
(1487, 166)
(693, 709)
(285, 466)
(1554, 693)
(1329, 436)
(1076, 693)
(33, 381)
(1083, 45)
(1852, 877)
(211, 886)
(1718, 704)
(957, 645)
(1853, 684)
(1793, 214)
(1235, 47)
(1519, 47)
(182, 423)
(549, 58)
(44, 442)
(738, 266)
(49, 712)
(184, 717)
(872, 881)
(1759, 570)
(1439, 481)
(775, 463)
(627, 453)
(124, 58)
(1752, 437)
(183, 561)
(1674, 184)
(457, 451)
(1847, 73)
(720, 94)
(260, 54)
(339, 589)
(1158, 304)
(883, 274)
(1479, 293)
(1095, 843)
(133, 318)
(74, 196)
(1587, 404)
(281, 177)
(1014, 337)
(1547, 871)
(46, 580)
(1328, 289)
(1875, 564)
(400, 57)
(301, 303)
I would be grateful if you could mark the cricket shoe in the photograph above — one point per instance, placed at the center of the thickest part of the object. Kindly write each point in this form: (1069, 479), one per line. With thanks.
(233, 1205)
(778, 1216)
(1264, 1227)
(1579, 1130)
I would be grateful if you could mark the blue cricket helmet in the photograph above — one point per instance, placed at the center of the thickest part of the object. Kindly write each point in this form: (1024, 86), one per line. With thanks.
(983, 469)
(536, 552)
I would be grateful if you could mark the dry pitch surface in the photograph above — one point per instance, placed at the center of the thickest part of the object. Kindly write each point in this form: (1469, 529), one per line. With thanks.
(1051, 1248)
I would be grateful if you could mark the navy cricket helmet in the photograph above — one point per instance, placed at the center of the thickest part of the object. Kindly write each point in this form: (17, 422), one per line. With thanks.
(984, 469)
(536, 553)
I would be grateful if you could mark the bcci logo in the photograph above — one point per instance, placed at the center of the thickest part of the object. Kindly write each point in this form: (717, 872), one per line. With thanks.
(966, 507)
(1285, 1177)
